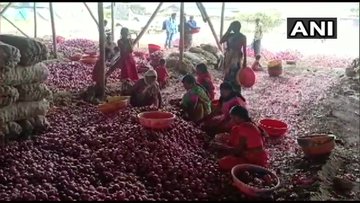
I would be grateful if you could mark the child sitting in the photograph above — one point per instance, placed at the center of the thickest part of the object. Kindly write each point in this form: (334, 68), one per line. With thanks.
(256, 65)
(204, 78)
(162, 73)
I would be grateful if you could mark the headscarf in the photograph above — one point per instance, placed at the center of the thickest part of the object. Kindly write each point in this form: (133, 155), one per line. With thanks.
(150, 73)
(152, 88)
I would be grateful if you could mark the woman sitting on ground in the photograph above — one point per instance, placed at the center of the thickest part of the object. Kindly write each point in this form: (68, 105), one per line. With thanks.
(220, 121)
(244, 144)
(204, 78)
(195, 102)
(146, 91)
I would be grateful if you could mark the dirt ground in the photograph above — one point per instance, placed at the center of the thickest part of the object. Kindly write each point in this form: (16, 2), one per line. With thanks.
(340, 116)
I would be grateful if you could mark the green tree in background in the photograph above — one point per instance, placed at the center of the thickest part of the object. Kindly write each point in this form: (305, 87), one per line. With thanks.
(270, 20)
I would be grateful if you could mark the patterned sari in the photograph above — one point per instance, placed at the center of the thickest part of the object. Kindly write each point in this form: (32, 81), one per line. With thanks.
(196, 103)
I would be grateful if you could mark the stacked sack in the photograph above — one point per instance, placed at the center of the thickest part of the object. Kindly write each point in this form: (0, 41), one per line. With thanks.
(205, 53)
(23, 96)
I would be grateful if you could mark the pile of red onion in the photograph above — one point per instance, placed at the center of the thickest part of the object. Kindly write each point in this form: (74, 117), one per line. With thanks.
(283, 55)
(87, 156)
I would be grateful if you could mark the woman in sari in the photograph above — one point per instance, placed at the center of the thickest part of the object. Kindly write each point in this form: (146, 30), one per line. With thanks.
(195, 102)
(244, 144)
(126, 61)
(204, 78)
(146, 91)
(220, 121)
(235, 54)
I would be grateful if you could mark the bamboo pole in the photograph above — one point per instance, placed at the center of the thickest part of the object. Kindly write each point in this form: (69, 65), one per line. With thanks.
(53, 29)
(11, 23)
(210, 25)
(5, 8)
(92, 15)
(148, 23)
(222, 19)
(112, 21)
(101, 83)
(181, 42)
(35, 21)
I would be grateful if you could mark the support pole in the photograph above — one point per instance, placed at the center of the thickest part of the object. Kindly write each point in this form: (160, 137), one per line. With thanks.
(112, 21)
(92, 15)
(35, 21)
(181, 42)
(222, 19)
(53, 29)
(101, 83)
(148, 23)
(5, 8)
(11, 23)
(203, 11)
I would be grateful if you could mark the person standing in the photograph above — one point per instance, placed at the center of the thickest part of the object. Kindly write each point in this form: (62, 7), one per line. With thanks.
(126, 62)
(257, 37)
(235, 53)
(171, 30)
(192, 23)
(191, 26)
(187, 35)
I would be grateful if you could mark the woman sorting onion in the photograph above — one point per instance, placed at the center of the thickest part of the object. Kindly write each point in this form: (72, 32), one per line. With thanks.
(220, 121)
(195, 102)
(244, 144)
(146, 91)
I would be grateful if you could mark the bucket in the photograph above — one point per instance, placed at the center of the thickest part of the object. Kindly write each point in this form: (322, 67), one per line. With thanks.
(153, 48)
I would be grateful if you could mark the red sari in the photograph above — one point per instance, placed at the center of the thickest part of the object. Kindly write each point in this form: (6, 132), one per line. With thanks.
(222, 123)
(254, 140)
(163, 75)
(205, 80)
(126, 62)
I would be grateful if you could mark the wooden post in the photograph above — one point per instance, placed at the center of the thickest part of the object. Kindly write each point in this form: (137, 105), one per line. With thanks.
(53, 29)
(148, 23)
(5, 8)
(101, 83)
(35, 21)
(112, 21)
(11, 23)
(181, 42)
(203, 10)
(222, 19)
(92, 15)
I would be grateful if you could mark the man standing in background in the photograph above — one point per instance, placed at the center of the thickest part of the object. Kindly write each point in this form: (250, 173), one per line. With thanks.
(258, 36)
(192, 23)
(170, 26)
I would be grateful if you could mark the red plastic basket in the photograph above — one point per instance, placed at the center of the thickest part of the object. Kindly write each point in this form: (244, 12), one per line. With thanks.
(274, 128)
(153, 48)
(247, 189)
(156, 119)
(246, 77)
(194, 31)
